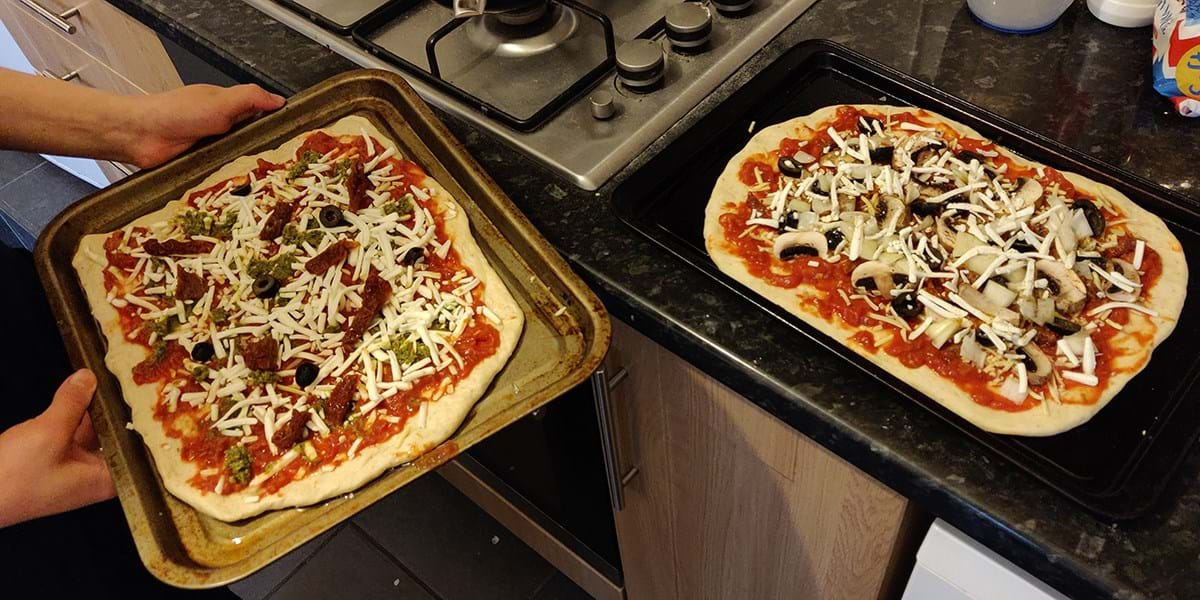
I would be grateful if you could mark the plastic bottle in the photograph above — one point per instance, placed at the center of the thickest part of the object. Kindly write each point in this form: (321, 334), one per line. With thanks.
(1124, 13)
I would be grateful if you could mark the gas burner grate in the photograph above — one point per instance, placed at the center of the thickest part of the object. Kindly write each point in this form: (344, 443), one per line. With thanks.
(519, 74)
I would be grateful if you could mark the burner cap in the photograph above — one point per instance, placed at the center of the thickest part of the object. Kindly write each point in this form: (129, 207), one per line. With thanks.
(510, 35)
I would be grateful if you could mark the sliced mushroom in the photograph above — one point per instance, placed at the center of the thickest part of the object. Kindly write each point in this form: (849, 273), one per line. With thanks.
(875, 276)
(1067, 288)
(1063, 327)
(945, 231)
(911, 149)
(800, 243)
(1037, 364)
(928, 153)
(1028, 192)
(1130, 273)
(836, 157)
(890, 212)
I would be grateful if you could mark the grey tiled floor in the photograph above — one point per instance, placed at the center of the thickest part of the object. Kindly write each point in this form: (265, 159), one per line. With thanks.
(426, 541)
(32, 191)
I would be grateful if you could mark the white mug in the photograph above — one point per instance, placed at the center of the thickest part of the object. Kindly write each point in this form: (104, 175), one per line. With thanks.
(1018, 16)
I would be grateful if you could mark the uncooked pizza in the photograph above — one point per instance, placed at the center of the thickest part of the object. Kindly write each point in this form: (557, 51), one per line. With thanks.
(299, 322)
(1020, 297)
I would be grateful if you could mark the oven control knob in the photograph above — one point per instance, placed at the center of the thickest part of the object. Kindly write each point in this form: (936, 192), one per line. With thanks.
(689, 25)
(733, 7)
(641, 65)
(603, 107)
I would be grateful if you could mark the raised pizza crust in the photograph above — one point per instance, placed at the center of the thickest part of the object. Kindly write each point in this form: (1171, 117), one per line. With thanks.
(1166, 297)
(444, 414)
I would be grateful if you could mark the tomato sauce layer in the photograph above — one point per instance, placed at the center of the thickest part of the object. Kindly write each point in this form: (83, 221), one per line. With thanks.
(832, 280)
(205, 447)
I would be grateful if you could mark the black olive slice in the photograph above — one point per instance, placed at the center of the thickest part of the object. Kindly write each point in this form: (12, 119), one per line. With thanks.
(791, 167)
(867, 125)
(1062, 326)
(1030, 364)
(243, 190)
(306, 373)
(906, 305)
(882, 155)
(203, 352)
(790, 219)
(794, 251)
(967, 156)
(1095, 218)
(1023, 246)
(412, 256)
(834, 238)
(330, 216)
(926, 209)
(265, 286)
(983, 339)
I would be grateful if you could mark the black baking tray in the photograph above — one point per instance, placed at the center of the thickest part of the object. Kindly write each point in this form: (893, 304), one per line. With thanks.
(368, 8)
(1116, 464)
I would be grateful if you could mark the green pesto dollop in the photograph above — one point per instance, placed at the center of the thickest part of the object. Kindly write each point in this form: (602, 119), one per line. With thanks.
(219, 316)
(302, 163)
(237, 463)
(200, 373)
(403, 206)
(408, 351)
(263, 377)
(280, 267)
(292, 235)
(199, 222)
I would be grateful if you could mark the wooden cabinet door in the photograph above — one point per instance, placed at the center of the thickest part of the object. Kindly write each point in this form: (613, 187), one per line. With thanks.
(112, 38)
(54, 56)
(645, 531)
(732, 503)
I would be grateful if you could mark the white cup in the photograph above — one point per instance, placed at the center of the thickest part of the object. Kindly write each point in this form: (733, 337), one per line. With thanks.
(1018, 16)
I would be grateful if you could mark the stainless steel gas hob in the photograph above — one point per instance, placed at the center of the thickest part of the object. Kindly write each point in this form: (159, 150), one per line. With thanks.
(581, 85)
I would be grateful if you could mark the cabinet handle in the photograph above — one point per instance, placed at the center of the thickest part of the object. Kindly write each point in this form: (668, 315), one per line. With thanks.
(51, 75)
(601, 384)
(59, 20)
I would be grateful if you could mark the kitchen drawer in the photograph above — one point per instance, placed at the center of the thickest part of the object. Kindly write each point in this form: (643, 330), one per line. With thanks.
(53, 55)
(109, 35)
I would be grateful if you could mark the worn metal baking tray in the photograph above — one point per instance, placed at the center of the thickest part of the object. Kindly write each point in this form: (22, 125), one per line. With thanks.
(1117, 463)
(187, 549)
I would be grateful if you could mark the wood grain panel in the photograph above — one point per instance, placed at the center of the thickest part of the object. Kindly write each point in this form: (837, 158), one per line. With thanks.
(46, 50)
(756, 509)
(115, 40)
(644, 528)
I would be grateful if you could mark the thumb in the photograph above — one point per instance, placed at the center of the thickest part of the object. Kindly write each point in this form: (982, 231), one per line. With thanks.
(70, 403)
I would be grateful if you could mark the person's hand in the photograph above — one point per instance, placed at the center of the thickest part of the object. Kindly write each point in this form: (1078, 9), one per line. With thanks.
(51, 463)
(163, 125)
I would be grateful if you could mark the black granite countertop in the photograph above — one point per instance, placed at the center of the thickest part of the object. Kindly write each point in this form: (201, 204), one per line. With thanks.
(1083, 83)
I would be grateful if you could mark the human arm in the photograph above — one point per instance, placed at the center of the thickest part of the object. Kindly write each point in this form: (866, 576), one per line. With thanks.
(51, 463)
(38, 114)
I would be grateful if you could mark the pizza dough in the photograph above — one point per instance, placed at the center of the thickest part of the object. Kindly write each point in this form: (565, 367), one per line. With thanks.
(444, 415)
(1132, 345)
